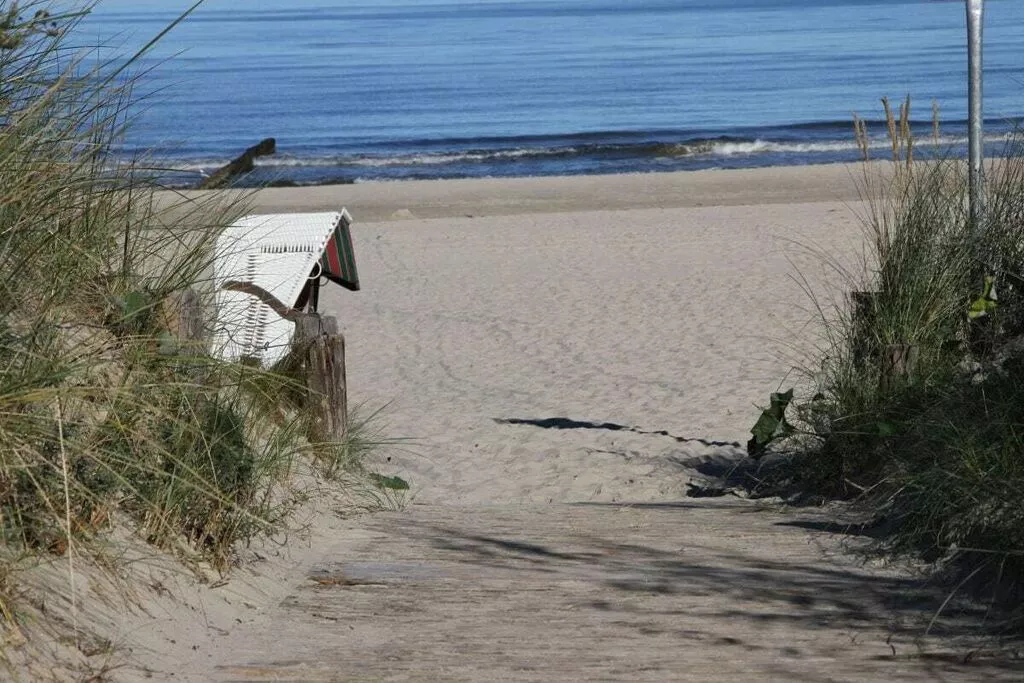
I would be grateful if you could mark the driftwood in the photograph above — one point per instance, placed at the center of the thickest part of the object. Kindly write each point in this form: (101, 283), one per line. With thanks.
(243, 164)
(275, 304)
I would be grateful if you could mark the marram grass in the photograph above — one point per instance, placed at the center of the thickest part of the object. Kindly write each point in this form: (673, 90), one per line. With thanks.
(934, 447)
(104, 413)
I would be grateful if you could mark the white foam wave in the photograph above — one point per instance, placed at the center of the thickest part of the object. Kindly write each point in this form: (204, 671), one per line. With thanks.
(705, 148)
(456, 157)
(426, 159)
(747, 148)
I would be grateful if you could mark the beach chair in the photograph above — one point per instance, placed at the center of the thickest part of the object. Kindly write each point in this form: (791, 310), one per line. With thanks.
(268, 266)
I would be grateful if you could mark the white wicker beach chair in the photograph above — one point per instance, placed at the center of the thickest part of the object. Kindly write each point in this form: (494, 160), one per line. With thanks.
(278, 253)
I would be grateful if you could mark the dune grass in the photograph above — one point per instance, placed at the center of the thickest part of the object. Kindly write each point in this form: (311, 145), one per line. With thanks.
(106, 413)
(932, 442)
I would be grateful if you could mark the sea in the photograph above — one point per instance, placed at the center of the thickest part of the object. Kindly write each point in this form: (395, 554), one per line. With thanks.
(365, 90)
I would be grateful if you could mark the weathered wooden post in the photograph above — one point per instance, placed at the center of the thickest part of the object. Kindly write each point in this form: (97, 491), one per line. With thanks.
(895, 362)
(899, 362)
(181, 323)
(191, 321)
(862, 321)
(322, 348)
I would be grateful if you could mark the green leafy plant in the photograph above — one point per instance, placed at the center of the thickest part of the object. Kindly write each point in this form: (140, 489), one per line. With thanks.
(392, 483)
(986, 304)
(771, 425)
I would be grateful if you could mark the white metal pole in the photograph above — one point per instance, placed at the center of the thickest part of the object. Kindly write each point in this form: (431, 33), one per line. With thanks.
(976, 140)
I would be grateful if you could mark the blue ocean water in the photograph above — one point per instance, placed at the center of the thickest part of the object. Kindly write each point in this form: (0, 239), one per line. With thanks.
(392, 89)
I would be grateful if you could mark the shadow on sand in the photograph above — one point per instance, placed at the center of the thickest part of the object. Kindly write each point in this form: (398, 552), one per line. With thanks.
(779, 600)
(567, 423)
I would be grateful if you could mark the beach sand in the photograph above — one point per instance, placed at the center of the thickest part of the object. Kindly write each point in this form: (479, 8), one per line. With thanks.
(507, 331)
(384, 201)
(584, 310)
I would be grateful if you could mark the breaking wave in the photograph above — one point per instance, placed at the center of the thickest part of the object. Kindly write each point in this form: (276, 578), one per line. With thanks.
(706, 148)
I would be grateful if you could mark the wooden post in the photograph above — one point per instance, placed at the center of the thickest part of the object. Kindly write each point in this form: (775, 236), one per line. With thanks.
(863, 324)
(191, 326)
(898, 364)
(243, 164)
(980, 337)
(180, 324)
(323, 348)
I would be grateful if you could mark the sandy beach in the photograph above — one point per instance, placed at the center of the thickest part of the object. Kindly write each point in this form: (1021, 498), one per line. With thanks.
(387, 201)
(561, 357)
(609, 299)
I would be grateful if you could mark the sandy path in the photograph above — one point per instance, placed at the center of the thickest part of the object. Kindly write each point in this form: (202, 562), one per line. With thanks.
(676, 592)
(539, 553)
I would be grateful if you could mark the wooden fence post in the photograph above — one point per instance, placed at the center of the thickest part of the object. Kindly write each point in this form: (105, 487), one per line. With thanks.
(864, 346)
(191, 323)
(180, 324)
(323, 351)
(898, 364)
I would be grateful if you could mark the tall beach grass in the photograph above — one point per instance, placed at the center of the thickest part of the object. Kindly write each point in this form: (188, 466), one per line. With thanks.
(916, 404)
(108, 414)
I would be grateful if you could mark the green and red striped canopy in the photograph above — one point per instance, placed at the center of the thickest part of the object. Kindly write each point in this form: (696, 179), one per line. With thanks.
(338, 262)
